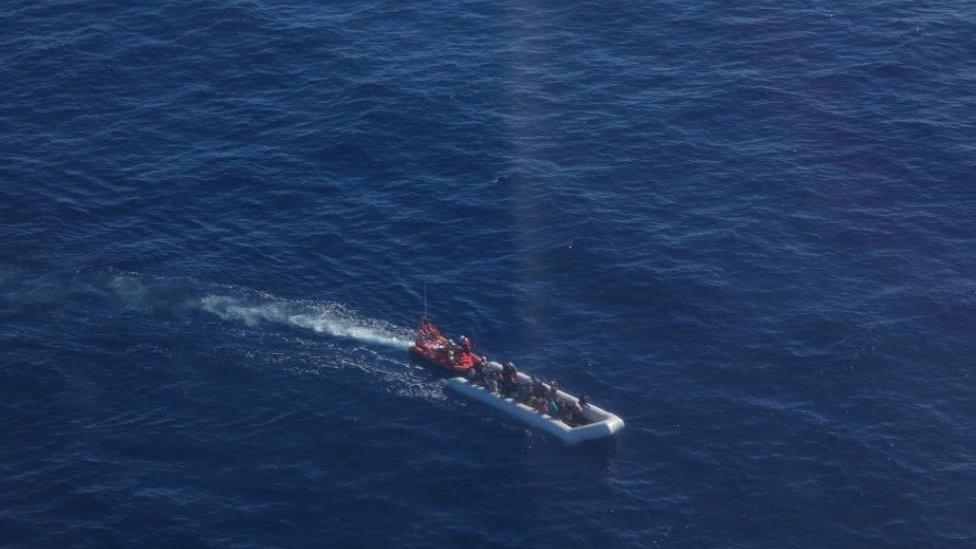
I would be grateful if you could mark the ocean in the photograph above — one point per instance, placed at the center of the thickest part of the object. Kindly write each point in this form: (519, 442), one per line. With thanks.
(747, 229)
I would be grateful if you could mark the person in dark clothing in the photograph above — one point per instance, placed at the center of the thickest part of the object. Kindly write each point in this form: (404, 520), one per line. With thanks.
(553, 387)
(569, 413)
(538, 388)
(510, 381)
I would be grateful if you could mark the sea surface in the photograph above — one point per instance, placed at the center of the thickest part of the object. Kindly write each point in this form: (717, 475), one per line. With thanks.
(749, 229)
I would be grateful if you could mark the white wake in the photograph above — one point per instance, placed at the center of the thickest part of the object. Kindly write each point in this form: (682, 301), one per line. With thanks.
(325, 318)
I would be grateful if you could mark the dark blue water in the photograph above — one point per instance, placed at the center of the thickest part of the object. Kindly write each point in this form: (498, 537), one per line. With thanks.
(748, 230)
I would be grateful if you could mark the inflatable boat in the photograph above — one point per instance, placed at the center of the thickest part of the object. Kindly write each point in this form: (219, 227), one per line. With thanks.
(599, 422)
(595, 422)
(432, 346)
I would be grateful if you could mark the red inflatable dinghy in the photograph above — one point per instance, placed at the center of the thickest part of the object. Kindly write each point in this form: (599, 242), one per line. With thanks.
(433, 347)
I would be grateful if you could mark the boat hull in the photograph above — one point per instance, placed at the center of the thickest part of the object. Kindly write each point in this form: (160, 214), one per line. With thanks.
(603, 424)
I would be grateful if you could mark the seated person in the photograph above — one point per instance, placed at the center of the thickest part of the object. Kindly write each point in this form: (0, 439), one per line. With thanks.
(482, 370)
(461, 355)
(491, 383)
(510, 385)
(583, 404)
(538, 404)
(538, 389)
(465, 360)
(523, 392)
(553, 406)
(571, 413)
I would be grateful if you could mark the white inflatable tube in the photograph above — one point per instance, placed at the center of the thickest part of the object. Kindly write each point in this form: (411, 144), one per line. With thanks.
(602, 424)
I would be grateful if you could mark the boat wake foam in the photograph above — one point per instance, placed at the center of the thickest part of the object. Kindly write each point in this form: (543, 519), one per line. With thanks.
(139, 297)
(323, 318)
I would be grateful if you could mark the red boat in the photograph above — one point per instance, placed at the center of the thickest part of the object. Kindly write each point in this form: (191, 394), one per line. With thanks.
(433, 347)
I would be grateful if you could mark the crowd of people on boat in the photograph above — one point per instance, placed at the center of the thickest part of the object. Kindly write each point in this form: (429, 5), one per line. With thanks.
(542, 397)
(505, 381)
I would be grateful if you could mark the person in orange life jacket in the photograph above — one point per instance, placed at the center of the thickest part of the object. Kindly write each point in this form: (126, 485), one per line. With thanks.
(466, 360)
(466, 355)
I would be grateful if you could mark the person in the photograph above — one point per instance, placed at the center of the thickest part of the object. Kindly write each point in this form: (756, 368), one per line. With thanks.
(571, 413)
(523, 392)
(538, 389)
(553, 387)
(538, 403)
(506, 387)
(583, 404)
(483, 370)
(466, 360)
(461, 355)
(492, 383)
(553, 407)
(509, 379)
(505, 372)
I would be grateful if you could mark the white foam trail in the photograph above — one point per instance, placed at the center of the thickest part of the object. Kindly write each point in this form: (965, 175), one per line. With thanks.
(327, 319)
(130, 289)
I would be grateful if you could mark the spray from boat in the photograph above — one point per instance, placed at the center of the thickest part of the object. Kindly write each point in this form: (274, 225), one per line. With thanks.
(324, 318)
